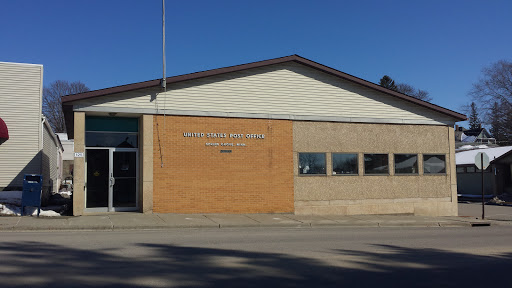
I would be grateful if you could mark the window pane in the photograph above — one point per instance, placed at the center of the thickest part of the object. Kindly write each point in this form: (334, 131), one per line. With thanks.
(406, 163)
(459, 170)
(311, 163)
(376, 164)
(109, 139)
(119, 124)
(125, 192)
(436, 164)
(470, 169)
(344, 164)
(124, 164)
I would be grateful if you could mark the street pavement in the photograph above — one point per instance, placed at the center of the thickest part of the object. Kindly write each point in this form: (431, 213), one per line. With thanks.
(326, 256)
(469, 216)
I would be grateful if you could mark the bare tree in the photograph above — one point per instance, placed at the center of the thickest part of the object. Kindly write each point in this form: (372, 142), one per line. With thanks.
(495, 84)
(404, 88)
(413, 92)
(52, 103)
(493, 92)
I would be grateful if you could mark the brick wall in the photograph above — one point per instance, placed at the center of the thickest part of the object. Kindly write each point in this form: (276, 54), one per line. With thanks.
(196, 178)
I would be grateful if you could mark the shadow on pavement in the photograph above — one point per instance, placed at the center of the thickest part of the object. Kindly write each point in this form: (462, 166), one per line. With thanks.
(32, 264)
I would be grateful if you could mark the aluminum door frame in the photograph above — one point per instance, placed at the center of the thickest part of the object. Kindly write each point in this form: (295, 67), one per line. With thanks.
(110, 207)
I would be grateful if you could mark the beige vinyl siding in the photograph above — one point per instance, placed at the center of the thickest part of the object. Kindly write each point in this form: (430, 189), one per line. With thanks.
(289, 89)
(20, 108)
(50, 159)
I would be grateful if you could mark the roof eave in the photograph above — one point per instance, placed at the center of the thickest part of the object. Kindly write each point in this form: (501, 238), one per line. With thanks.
(68, 99)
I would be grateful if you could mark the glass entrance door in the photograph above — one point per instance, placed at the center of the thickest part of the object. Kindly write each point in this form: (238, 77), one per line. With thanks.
(112, 179)
(124, 174)
(97, 178)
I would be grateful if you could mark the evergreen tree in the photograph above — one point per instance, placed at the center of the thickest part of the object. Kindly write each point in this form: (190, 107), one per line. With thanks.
(497, 130)
(474, 120)
(404, 88)
(387, 82)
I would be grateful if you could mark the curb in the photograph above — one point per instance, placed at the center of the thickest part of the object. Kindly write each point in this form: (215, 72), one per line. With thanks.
(376, 224)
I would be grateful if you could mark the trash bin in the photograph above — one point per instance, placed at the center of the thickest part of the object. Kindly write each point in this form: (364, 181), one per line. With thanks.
(32, 189)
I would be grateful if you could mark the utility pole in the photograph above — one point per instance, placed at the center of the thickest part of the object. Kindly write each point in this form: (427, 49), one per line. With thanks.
(164, 82)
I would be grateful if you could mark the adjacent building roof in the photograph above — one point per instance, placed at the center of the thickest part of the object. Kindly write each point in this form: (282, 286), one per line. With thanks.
(473, 132)
(503, 157)
(468, 157)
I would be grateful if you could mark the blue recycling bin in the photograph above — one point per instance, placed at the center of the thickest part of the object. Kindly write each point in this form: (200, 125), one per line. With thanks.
(32, 190)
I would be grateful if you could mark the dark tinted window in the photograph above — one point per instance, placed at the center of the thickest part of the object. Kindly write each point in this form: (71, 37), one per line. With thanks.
(406, 163)
(343, 164)
(119, 132)
(119, 124)
(111, 139)
(311, 163)
(376, 164)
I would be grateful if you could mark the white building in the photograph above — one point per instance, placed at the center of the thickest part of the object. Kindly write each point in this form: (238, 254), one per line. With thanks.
(31, 146)
(68, 156)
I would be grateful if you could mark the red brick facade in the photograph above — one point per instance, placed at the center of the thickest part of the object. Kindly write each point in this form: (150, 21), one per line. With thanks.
(197, 178)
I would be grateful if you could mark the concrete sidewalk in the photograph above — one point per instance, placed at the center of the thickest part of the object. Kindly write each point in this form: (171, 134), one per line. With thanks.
(137, 221)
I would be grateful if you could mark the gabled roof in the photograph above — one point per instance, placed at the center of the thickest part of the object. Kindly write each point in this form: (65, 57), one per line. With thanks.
(67, 100)
(498, 159)
(473, 132)
(292, 58)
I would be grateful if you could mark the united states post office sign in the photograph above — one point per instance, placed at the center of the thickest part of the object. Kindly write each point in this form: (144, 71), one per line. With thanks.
(223, 135)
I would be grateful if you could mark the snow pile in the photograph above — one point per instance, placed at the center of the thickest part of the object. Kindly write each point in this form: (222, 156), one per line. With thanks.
(8, 209)
(65, 193)
(10, 204)
(465, 147)
(497, 200)
(12, 210)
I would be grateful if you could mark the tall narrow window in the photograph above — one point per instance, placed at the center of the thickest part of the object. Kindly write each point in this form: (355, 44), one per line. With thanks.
(436, 164)
(375, 164)
(406, 163)
(311, 163)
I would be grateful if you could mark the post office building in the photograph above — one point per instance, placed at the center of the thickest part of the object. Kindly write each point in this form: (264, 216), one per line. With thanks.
(285, 135)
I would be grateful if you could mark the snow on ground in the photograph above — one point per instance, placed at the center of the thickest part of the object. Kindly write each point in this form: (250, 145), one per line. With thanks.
(8, 209)
(10, 204)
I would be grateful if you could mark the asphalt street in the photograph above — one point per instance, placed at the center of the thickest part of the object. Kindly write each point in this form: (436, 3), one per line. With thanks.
(259, 257)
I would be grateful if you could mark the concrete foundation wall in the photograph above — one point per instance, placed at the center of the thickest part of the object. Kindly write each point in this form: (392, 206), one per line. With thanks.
(419, 194)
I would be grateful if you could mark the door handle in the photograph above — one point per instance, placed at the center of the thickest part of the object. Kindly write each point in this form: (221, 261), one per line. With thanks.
(112, 181)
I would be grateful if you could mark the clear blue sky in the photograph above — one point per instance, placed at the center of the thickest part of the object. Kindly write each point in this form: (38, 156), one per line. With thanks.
(438, 46)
